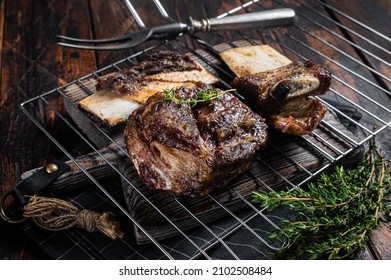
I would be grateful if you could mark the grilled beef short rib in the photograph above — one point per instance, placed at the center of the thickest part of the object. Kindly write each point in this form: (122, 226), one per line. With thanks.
(282, 95)
(159, 63)
(192, 149)
(120, 93)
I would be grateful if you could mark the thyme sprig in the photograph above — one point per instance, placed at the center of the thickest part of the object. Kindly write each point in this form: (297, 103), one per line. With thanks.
(336, 213)
(201, 96)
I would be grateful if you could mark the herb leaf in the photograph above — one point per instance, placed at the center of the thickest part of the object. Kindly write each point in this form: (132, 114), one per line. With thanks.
(336, 214)
(202, 96)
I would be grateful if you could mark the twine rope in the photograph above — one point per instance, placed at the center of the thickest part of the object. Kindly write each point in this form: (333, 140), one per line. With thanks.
(56, 214)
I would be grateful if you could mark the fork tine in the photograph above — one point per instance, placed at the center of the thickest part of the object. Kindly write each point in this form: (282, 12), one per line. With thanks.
(122, 46)
(128, 41)
(96, 41)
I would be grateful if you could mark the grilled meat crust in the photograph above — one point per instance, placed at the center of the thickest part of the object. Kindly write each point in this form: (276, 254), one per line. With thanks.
(154, 68)
(282, 95)
(119, 93)
(191, 150)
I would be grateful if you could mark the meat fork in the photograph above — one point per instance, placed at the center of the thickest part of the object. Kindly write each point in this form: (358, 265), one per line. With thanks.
(262, 19)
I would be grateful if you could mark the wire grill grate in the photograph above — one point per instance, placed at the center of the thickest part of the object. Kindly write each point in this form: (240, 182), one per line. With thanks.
(281, 165)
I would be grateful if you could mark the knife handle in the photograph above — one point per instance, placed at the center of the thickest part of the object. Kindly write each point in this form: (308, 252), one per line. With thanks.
(254, 20)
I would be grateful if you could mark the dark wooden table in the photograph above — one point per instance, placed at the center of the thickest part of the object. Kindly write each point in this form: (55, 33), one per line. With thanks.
(31, 63)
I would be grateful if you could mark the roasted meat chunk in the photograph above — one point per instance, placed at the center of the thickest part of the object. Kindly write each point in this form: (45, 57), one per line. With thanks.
(191, 141)
(282, 95)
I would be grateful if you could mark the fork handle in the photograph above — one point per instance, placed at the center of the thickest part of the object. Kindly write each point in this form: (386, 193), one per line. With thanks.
(254, 20)
(167, 29)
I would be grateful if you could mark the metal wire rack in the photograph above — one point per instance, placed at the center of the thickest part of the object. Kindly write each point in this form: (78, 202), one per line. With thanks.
(287, 163)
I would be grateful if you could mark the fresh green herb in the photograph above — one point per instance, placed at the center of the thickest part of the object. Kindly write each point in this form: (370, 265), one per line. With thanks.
(202, 96)
(336, 214)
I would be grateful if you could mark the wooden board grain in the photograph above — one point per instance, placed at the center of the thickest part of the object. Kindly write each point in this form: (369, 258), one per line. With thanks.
(32, 63)
(28, 69)
(113, 18)
(380, 242)
(370, 34)
(2, 16)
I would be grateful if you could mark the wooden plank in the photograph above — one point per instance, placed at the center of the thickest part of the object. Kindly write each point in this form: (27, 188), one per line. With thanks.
(110, 19)
(32, 63)
(364, 254)
(13, 124)
(370, 38)
(380, 241)
(2, 16)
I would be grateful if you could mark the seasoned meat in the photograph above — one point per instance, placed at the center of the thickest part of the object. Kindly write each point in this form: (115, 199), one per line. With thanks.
(120, 93)
(282, 95)
(160, 66)
(192, 148)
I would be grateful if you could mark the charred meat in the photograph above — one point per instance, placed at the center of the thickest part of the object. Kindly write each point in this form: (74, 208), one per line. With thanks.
(188, 145)
(160, 66)
(120, 93)
(283, 95)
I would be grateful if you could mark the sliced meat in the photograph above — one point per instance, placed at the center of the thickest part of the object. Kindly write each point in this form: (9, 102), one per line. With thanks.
(161, 66)
(119, 93)
(191, 149)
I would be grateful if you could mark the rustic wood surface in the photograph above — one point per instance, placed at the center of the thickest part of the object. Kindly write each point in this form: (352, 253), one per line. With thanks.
(31, 63)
